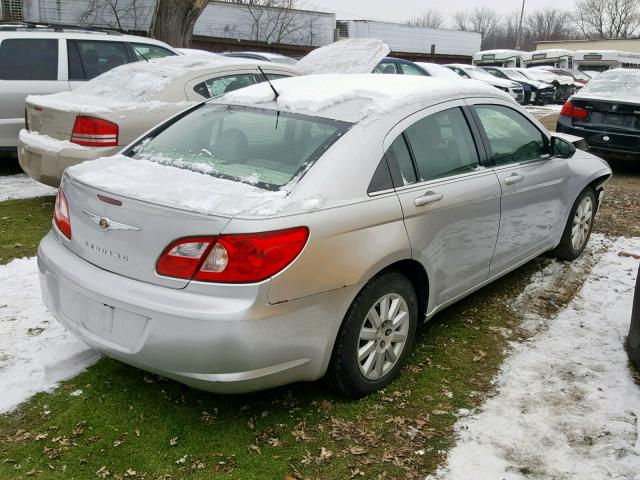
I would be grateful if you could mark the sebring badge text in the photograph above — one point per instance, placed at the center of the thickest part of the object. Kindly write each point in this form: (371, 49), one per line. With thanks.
(104, 251)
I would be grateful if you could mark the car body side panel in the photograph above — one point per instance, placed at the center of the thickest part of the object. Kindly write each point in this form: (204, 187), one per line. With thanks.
(348, 244)
(455, 237)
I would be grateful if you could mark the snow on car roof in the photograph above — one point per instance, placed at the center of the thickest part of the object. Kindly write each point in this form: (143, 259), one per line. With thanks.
(358, 97)
(618, 84)
(135, 84)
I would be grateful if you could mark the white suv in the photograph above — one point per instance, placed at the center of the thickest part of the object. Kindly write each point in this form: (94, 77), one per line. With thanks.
(41, 59)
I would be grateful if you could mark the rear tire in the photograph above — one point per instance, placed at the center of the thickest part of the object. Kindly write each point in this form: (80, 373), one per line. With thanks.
(578, 228)
(375, 337)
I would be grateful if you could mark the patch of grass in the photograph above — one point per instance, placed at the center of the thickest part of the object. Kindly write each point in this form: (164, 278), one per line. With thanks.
(23, 223)
(133, 424)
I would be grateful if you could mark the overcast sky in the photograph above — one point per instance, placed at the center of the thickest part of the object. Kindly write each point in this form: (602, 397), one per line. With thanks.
(400, 10)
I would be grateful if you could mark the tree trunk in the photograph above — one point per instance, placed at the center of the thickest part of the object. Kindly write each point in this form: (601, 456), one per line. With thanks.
(173, 21)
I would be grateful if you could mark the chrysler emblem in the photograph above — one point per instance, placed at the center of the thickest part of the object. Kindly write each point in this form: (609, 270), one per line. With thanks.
(108, 224)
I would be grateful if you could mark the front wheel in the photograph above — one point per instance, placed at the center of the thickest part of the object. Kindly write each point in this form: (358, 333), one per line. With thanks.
(375, 337)
(579, 225)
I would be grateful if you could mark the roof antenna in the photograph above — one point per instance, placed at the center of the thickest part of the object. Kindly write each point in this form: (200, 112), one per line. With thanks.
(275, 92)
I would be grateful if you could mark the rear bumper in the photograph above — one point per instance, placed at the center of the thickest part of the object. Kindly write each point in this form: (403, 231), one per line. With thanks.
(9, 129)
(232, 342)
(47, 166)
(602, 140)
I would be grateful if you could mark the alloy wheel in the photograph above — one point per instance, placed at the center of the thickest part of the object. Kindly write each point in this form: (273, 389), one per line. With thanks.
(582, 223)
(383, 336)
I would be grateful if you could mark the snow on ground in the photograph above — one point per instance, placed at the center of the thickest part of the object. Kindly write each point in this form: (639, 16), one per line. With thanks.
(543, 108)
(22, 186)
(566, 406)
(36, 352)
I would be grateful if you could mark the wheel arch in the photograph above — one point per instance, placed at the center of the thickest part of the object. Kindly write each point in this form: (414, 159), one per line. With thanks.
(417, 275)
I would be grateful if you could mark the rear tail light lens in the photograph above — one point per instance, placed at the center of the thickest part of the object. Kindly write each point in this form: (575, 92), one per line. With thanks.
(237, 258)
(570, 110)
(61, 214)
(94, 132)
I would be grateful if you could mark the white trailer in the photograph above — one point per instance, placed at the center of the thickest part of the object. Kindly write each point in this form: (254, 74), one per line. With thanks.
(601, 60)
(553, 57)
(499, 58)
(412, 39)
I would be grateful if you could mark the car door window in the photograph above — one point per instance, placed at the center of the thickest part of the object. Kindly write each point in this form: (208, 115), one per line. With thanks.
(408, 69)
(29, 59)
(512, 137)
(90, 58)
(144, 51)
(460, 72)
(442, 145)
(214, 87)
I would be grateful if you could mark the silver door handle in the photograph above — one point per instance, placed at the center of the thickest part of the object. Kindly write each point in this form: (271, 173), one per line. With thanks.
(513, 179)
(427, 198)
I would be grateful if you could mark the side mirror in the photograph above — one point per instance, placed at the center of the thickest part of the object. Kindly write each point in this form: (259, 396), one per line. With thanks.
(562, 148)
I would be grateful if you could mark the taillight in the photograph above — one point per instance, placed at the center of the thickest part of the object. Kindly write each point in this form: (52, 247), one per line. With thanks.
(94, 132)
(26, 119)
(570, 110)
(61, 214)
(234, 258)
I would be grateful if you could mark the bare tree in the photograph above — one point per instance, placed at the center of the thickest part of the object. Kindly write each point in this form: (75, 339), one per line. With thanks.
(173, 20)
(461, 20)
(430, 18)
(276, 21)
(118, 14)
(548, 24)
(608, 18)
(483, 20)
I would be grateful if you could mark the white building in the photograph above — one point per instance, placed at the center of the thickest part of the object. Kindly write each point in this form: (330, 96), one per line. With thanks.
(220, 20)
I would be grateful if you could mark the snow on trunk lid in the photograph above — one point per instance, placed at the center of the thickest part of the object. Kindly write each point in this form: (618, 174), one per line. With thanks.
(126, 236)
(51, 122)
(353, 55)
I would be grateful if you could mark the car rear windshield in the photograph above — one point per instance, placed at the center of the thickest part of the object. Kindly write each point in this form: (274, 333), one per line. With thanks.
(262, 147)
(615, 84)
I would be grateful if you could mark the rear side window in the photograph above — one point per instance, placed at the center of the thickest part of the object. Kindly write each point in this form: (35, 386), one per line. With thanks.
(90, 58)
(145, 51)
(214, 87)
(385, 67)
(400, 163)
(29, 59)
(261, 147)
(442, 145)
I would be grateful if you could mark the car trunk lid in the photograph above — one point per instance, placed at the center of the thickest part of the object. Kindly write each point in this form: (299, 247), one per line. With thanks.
(52, 122)
(126, 236)
(609, 115)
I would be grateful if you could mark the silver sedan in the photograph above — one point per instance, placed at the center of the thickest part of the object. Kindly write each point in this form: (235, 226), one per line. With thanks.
(303, 229)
